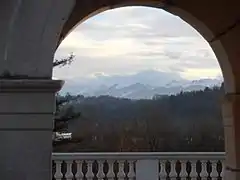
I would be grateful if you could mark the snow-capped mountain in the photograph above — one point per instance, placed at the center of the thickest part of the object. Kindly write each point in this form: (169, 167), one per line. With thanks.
(152, 83)
(200, 82)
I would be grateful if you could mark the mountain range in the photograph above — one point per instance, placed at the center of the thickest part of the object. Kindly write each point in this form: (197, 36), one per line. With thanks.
(143, 85)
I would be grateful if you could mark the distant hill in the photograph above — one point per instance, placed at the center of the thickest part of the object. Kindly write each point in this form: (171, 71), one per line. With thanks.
(188, 121)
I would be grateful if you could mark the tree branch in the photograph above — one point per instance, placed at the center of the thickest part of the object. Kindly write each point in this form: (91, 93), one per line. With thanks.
(63, 62)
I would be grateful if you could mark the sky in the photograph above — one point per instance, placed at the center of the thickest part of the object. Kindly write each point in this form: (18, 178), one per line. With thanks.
(130, 40)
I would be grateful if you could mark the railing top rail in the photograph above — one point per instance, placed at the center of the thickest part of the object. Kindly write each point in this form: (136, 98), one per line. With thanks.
(140, 155)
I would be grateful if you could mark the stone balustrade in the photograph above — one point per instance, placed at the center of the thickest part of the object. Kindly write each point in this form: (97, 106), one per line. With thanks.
(138, 166)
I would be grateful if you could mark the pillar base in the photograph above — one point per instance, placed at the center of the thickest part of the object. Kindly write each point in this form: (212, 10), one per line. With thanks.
(231, 122)
(26, 123)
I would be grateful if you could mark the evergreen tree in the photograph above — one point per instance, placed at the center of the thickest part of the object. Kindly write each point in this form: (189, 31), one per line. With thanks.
(64, 109)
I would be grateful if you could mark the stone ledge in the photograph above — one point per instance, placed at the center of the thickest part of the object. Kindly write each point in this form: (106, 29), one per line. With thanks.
(24, 85)
(231, 97)
(228, 168)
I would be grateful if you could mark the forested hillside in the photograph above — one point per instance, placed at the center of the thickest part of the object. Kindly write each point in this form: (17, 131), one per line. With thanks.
(189, 121)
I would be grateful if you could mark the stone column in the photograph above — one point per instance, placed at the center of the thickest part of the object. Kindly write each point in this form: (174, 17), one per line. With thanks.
(231, 121)
(26, 122)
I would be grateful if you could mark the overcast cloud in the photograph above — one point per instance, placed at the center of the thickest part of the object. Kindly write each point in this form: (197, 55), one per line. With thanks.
(134, 39)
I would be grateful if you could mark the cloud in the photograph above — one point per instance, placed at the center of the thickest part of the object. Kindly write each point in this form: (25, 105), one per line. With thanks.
(135, 39)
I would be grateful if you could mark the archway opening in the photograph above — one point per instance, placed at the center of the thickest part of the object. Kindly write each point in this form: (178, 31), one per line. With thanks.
(151, 129)
(160, 53)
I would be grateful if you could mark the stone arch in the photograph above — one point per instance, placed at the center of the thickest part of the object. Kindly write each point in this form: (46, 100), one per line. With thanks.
(77, 18)
(218, 22)
(30, 32)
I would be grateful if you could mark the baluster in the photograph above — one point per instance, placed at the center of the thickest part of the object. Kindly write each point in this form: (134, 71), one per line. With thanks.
(110, 174)
(100, 174)
(58, 174)
(69, 174)
(183, 173)
(223, 169)
(89, 174)
(173, 173)
(121, 174)
(131, 174)
(79, 175)
(193, 173)
(214, 174)
(204, 173)
(163, 173)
